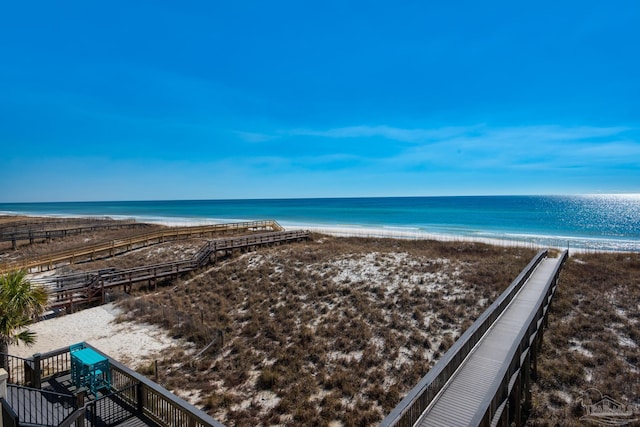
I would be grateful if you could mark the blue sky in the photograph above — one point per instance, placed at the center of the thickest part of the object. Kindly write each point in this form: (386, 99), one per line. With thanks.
(143, 100)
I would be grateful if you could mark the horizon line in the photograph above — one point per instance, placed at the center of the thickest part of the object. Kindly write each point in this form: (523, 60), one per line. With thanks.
(621, 194)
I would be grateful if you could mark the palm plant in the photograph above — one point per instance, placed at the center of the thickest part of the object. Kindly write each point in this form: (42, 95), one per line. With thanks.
(20, 303)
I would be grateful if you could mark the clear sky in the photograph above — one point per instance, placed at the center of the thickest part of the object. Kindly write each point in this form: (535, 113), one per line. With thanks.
(139, 100)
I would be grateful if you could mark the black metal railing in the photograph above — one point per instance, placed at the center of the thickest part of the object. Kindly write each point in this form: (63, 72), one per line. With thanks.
(40, 407)
(155, 402)
(18, 368)
(133, 395)
(52, 363)
(113, 408)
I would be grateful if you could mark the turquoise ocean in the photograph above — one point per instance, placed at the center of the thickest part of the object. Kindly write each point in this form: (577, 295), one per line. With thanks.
(590, 222)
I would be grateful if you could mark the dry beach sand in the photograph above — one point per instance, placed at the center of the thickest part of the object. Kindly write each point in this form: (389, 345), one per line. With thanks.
(133, 344)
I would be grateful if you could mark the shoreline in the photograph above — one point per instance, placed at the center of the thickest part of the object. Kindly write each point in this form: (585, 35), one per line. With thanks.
(575, 244)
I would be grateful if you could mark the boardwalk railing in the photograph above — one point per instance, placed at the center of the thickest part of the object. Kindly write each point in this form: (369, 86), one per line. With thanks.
(509, 376)
(111, 248)
(38, 224)
(47, 234)
(90, 286)
(410, 409)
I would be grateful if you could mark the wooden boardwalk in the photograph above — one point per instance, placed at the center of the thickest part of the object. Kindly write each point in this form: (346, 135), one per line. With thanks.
(465, 398)
(9, 224)
(70, 290)
(33, 234)
(483, 378)
(135, 241)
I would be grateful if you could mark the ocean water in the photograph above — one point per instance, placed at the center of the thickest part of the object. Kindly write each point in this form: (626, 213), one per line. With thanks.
(590, 222)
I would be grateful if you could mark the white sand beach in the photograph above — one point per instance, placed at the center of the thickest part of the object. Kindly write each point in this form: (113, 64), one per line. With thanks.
(130, 343)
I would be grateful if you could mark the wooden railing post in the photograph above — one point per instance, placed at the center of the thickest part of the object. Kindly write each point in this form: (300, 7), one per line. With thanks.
(140, 402)
(80, 398)
(37, 371)
(526, 377)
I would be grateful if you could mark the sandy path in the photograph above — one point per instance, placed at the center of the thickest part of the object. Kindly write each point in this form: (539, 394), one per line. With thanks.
(130, 343)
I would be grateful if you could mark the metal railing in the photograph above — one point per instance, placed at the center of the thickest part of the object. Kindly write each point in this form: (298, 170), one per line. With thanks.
(133, 395)
(52, 363)
(158, 404)
(40, 407)
(20, 369)
(113, 408)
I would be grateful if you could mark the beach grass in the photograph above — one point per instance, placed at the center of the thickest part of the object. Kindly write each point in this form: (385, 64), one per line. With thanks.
(592, 339)
(335, 331)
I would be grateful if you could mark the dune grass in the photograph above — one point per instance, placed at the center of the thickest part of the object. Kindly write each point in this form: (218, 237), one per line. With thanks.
(334, 330)
(337, 330)
(592, 339)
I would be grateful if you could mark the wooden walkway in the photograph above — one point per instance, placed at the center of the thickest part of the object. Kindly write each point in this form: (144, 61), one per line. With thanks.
(9, 224)
(135, 241)
(464, 400)
(483, 378)
(70, 290)
(34, 234)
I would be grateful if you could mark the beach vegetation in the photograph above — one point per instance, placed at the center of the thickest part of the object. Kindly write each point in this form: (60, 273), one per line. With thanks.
(338, 330)
(335, 329)
(20, 303)
(591, 340)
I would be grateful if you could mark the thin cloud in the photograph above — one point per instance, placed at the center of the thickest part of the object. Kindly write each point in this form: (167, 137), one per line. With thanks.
(253, 137)
(548, 133)
(522, 147)
(388, 132)
(458, 148)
